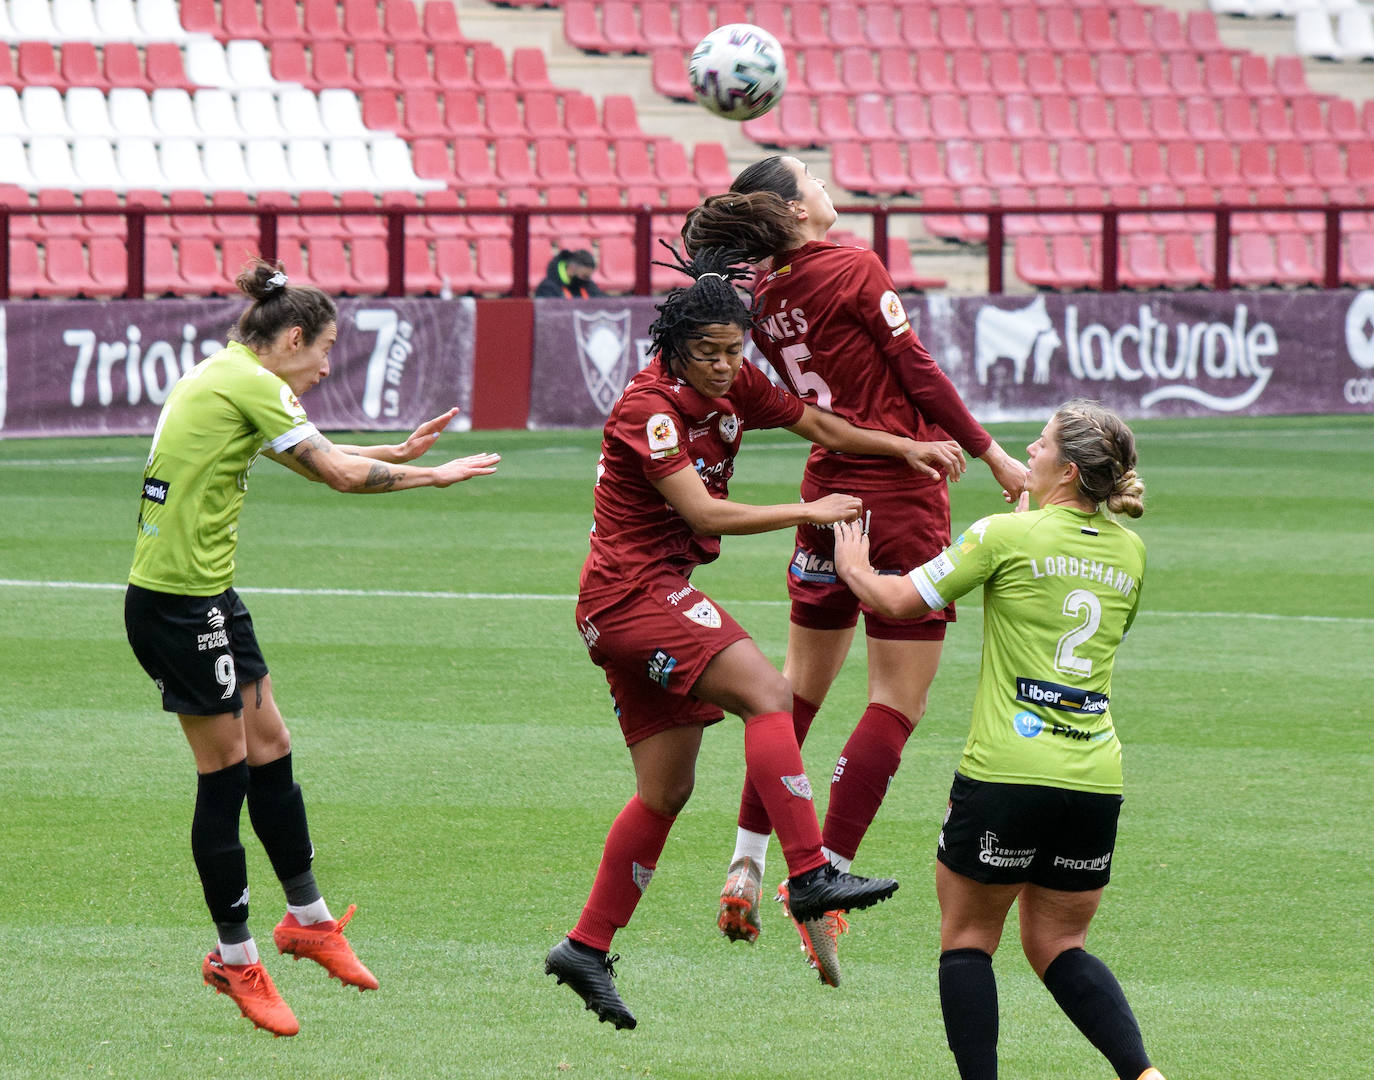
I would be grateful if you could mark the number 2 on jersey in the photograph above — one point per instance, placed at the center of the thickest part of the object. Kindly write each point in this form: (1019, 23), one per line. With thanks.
(806, 382)
(1085, 605)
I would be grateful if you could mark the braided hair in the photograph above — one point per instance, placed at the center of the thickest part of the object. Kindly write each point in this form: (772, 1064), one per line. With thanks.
(711, 300)
(1097, 440)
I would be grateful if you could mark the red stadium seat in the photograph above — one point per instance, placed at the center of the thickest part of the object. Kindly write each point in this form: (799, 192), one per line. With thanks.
(918, 28)
(401, 22)
(845, 29)
(947, 117)
(451, 69)
(440, 19)
(711, 166)
(37, 65)
(1253, 261)
(471, 161)
(1004, 73)
(1200, 120)
(1181, 261)
(501, 114)
(1141, 262)
(489, 67)
(1129, 119)
(494, 264)
(321, 21)
(1166, 118)
(952, 27)
(529, 71)
(453, 264)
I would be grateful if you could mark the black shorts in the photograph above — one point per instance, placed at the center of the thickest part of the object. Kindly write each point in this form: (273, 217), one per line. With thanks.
(198, 649)
(1006, 834)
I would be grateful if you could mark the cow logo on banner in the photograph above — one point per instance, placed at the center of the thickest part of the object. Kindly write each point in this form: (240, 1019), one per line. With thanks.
(603, 352)
(1022, 336)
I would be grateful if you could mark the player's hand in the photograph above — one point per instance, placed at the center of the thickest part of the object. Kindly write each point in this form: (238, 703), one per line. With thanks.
(833, 508)
(851, 550)
(422, 438)
(1007, 471)
(460, 469)
(936, 459)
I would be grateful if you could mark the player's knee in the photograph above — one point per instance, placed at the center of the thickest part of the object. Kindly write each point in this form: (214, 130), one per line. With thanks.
(670, 798)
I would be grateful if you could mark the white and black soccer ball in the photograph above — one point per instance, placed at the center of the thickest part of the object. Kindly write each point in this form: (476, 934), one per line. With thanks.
(738, 71)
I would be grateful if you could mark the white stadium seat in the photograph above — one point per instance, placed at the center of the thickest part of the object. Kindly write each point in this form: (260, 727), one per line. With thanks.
(118, 22)
(173, 114)
(350, 161)
(300, 112)
(75, 21)
(181, 165)
(1313, 36)
(308, 162)
(341, 113)
(391, 162)
(88, 111)
(205, 63)
(1355, 32)
(160, 20)
(11, 115)
(93, 159)
(14, 162)
(248, 65)
(32, 21)
(215, 115)
(138, 164)
(43, 110)
(50, 162)
(222, 160)
(258, 116)
(266, 162)
(131, 113)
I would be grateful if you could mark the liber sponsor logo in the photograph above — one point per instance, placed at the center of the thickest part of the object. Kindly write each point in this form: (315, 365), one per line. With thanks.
(1057, 696)
(155, 490)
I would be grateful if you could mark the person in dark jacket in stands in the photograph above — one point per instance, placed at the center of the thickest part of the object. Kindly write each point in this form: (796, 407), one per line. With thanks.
(570, 275)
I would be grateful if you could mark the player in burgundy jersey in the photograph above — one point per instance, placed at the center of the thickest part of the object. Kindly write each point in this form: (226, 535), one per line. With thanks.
(829, 320)
(674, 659)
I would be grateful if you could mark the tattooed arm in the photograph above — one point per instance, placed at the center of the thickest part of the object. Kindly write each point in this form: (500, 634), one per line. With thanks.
(316, 458)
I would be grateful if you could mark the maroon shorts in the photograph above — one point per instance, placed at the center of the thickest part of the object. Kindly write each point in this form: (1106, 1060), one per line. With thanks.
(906, 528)
(653, 644)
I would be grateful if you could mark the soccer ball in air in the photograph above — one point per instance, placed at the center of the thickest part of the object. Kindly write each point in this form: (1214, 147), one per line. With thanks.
(738, 71)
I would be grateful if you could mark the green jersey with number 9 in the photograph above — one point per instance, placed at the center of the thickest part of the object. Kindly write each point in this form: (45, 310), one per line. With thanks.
(217, 419)
(1060, 589)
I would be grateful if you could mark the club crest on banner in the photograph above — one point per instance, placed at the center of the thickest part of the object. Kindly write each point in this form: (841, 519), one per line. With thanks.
(603, 353)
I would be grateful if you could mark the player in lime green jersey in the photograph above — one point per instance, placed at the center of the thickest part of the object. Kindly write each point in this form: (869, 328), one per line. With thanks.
(194, 637)
(1033, 810)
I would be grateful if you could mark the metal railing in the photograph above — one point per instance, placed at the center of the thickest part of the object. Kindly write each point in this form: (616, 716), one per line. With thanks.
(269, 218)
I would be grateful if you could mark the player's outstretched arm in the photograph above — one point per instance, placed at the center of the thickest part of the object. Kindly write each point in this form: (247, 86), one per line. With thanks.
(892, 595)
(418, 443)
(933, 459)
(316, 458)
(709, 516)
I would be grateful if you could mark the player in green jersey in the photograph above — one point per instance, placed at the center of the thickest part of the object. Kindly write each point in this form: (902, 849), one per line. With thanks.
(1033, 810)
(194, 637)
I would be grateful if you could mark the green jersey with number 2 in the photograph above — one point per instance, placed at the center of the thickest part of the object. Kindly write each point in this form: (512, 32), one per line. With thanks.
(219, 416)
(1060, 589)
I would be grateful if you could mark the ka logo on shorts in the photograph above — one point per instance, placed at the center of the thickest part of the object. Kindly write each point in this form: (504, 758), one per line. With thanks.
(215, 618)
(704, 614)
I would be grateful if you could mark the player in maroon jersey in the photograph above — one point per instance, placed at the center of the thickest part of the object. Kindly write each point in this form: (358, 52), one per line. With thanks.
(829, 320)
(674, 659)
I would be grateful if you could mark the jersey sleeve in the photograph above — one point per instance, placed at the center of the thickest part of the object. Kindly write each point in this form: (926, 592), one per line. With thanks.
(763, 403)
(651, 430)
(919, 375)
(967, 563)
(268, 404)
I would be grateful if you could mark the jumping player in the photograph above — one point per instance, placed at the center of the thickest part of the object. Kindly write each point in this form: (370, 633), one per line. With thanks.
(194, 636)
(675, 660)
(829, 320)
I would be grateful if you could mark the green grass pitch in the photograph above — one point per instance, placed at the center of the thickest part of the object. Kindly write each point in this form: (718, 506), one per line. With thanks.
(461, 766)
